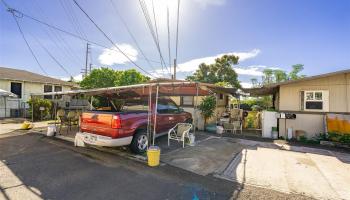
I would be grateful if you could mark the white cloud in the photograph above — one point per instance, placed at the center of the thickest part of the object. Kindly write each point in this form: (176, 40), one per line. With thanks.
(248, 71)
(78, 77)
(110, 57)
(192, 65)
(246, 85)
(205, 3)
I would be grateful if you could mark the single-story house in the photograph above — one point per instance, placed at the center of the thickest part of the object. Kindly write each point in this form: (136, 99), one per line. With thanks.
(22, 83)
(310, 99)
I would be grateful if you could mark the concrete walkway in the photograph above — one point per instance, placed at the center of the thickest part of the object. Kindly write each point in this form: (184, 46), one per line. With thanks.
(10, 127)
(321, 174)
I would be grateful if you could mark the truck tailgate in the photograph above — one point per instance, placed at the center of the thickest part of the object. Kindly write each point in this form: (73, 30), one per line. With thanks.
(98, 123)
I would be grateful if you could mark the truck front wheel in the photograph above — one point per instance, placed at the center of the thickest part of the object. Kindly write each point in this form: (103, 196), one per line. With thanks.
(139, 142)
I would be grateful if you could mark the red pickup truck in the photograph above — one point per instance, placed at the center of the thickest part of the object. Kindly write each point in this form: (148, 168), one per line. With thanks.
(129, 125)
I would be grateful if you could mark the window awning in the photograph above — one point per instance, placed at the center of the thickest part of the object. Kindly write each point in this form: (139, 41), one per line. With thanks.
(4, 93)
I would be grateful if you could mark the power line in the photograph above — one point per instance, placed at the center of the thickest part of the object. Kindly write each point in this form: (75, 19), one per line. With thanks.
(76, 3)
(52, 57)
(155, 25)
(168, 39)
(177, 37)
(65, 48)
(177, 28)
(72, 18)
(69, 33)
(131, 35)
(24, 38)
(150, 27)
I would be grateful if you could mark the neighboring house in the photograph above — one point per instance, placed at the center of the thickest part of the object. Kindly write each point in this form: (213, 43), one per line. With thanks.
(310, 99)
(188, 103)
(23, 83)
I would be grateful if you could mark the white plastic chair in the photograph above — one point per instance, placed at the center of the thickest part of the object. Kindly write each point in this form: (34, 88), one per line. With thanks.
(233, 126)
(179, 133)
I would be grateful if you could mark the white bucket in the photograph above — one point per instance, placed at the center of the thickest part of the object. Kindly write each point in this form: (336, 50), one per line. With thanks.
(274, 134)
(219, 129)
(51, 130)
(192, 140)
(290, 133)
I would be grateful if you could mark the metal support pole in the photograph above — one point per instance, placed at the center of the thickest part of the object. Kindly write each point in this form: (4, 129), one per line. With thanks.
(216, 108)
(149, 120)
(195, 112)
(92, 98)
(174, 77)
(155, 116)
(5, 99)
(55, 110)
(32, 108)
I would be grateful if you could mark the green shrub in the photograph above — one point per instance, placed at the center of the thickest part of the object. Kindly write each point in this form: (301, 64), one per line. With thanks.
(337, 137)
(38, 102)
(314, 140)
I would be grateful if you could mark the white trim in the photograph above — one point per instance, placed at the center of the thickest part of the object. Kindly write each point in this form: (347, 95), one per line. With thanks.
(105, 141)
(324, 100)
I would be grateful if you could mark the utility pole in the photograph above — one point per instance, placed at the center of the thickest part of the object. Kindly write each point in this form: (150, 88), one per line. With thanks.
(174, 77)
(86, 58)
(90, 67)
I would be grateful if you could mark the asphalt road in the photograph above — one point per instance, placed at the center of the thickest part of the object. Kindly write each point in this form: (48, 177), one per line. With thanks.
(34, 166)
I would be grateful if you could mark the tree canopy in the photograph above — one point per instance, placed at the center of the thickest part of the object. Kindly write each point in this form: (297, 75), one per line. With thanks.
(278, 75)
(220, 71)
(106, 77)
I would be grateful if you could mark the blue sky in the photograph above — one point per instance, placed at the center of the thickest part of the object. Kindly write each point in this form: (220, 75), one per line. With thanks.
(264, 33)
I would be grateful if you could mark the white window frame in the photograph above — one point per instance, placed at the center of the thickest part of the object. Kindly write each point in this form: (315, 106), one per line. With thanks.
(324, 100)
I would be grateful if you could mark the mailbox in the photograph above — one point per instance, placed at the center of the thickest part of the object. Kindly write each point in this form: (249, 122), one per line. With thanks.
(291, 116)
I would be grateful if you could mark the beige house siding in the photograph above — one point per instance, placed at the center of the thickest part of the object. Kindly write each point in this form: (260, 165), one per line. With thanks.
(27, 89)
(311, 124)
(337, 85)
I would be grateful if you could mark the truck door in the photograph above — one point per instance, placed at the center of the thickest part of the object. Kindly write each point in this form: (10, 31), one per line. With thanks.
(164, 116)
(177, 115)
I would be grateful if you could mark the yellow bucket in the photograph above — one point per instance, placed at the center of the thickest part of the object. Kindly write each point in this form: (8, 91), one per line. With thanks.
(25, 125)
(153, 156)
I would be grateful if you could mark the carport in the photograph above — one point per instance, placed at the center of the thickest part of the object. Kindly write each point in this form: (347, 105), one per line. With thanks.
(152, 90)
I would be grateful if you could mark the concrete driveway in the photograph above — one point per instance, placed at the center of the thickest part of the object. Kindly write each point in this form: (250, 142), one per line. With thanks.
(36, 167)
(317, 173)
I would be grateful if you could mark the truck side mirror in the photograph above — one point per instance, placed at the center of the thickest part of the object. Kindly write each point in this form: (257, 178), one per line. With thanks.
(181, 110)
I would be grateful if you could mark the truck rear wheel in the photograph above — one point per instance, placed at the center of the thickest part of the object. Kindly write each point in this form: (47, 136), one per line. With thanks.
(139, 142)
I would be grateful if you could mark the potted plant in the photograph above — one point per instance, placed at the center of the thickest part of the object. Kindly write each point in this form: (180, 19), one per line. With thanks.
(207, 108)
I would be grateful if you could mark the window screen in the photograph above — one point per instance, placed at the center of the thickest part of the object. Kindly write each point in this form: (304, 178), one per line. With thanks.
(187, 101)
(314, 105)
(16, 88)
(47, 88)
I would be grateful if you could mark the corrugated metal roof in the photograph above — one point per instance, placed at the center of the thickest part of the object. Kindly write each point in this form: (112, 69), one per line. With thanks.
(171, 88)
(23, 75)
